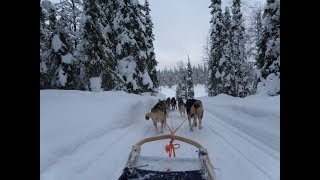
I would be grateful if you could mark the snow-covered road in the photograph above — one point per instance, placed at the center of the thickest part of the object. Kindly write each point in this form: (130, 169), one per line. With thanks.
(87, 135)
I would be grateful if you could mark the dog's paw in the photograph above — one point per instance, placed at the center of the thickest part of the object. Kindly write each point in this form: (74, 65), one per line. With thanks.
(200, 126)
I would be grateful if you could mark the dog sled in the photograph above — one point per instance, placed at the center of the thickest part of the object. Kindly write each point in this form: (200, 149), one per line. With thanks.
(156, 168)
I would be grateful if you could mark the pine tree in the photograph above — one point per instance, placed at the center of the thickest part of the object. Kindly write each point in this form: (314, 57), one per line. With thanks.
(151, 58)
(72, 10)
(68, 70)
(175, 75)
(226, 64)
(97, 62)
(170, 78)
(184, 89)
(189, 83)
(54, 44)
(205, 75)
(268, 60)
(108, 10)
(254, 31)
(178, 91)
(130, 43)
(216, 48)
(238, 50)
(44, 50)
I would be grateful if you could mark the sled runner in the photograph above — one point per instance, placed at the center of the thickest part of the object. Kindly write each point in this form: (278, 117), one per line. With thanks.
(156, 168)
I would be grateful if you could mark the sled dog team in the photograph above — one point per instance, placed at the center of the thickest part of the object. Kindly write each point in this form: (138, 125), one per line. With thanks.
(192, 108)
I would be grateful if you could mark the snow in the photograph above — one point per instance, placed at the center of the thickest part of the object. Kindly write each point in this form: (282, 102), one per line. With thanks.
(88, 135)
(126, 67)
(43, 67)
(270, 85)
(56, 43)
(146, 79)
(68, 58)
(142, 54)
(222, 60)
(47, 5)
(119, 49)
(95, 84)
(218, 75)
(62, 77)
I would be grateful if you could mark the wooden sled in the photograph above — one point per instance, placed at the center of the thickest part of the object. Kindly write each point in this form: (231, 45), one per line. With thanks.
(156, 168)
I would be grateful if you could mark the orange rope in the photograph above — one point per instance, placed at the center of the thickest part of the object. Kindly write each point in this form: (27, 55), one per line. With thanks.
(170, 148)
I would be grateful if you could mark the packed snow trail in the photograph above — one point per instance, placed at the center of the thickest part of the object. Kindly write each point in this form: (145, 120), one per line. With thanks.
(89, 135)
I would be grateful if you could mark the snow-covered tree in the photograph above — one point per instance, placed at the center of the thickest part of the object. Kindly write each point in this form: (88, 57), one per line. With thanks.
(52, 56)
(216, 48)
(44, 50)
(97, 60)
(130, 43)
(72, 10)
(253, 33)
(226, 63)
(196, 74)
(178, 91)
(268, 60)
(238, 50)
(184, 89)
(151, 58)
(206, 50)
(68, 70)
(189, 83)
(170, 78)
(56, 46)
(181, 70)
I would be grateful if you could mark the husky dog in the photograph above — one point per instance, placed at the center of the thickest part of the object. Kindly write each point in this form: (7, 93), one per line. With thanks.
(173, 103)
(182, 107)
(168, 101)
(158, 114)
(195, 111)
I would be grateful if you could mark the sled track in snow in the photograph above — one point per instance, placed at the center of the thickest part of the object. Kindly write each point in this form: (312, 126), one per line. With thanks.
(97, 135)
(272, 142)
(235, 148)
(244, 137)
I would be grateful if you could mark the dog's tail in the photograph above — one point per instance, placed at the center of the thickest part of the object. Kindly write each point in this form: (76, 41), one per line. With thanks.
(147, 116)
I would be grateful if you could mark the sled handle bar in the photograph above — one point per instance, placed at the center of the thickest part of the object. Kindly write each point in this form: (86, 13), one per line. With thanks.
(208, 166)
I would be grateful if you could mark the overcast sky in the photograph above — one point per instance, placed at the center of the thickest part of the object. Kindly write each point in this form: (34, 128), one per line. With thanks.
(181, 28)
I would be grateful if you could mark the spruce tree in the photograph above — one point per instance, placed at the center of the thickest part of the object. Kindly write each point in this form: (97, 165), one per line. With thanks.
(216, 48)
(68, 69)
(189, 83)
(44, 50)
(178, 91)
(151, 58)
(73, 10)
(226, 62)
(56, 47)
(97, 61)
(184, 88)
(130, 43)
(238, 50)
(254, 31)
(268, 60)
